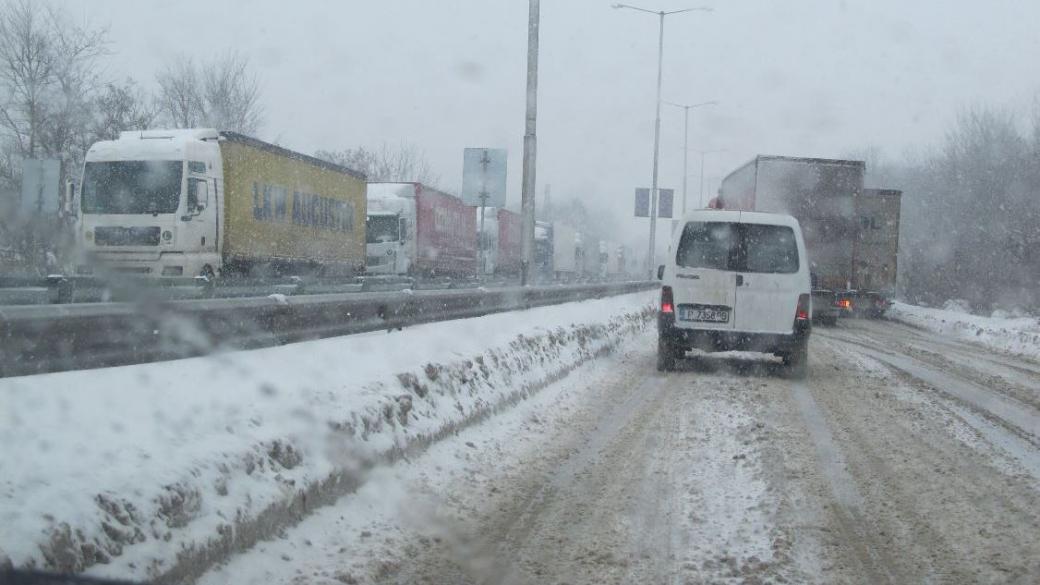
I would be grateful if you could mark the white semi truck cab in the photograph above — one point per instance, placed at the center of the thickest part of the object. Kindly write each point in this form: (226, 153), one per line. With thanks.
(390, 229)
(150, 204)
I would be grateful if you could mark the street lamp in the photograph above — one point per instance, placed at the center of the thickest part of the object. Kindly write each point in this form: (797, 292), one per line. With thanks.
(657, 118)
(686, 144)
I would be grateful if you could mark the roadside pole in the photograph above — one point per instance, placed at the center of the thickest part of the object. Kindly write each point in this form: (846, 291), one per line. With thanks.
(528, 188)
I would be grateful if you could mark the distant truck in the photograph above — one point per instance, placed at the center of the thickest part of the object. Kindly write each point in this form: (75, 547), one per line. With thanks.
(500, 243)
(198, 202)
(416, 230)
(876, 250)
(851, 234)
(556, 251)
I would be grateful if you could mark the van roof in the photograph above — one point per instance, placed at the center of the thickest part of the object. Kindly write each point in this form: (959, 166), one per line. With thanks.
(737, 216)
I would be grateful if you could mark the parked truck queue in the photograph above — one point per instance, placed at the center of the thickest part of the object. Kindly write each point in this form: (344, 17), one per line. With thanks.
(203, 203)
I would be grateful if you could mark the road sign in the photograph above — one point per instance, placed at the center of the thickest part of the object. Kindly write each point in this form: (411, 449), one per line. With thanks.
(484, 177)
(665, 197)
(40, 189)
(642, 202)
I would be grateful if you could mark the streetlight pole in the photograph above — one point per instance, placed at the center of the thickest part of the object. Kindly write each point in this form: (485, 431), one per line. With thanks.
(657, 121)
(530, 142)
(686, 144)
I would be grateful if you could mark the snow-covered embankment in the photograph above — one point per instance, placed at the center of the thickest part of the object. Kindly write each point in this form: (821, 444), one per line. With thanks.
(156, 471)
(1018, 335)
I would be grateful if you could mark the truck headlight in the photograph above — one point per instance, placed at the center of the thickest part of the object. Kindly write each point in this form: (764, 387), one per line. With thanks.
(167, 236)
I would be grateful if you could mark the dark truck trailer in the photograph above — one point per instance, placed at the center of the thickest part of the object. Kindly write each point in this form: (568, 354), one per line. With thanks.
(876, 251)
(837, 216)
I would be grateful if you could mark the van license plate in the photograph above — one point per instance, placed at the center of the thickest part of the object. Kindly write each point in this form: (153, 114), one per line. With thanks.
(708, 314)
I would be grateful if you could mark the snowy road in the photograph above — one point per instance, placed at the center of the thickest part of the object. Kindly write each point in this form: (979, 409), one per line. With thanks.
(905, 458)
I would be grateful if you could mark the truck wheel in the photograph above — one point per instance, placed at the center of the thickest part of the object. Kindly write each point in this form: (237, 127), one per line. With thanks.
(667, 352)
(797, 362)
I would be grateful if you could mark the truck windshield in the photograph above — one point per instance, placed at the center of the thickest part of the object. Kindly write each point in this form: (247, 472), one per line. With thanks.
(132, 187)
(381, 228)
(738, 247)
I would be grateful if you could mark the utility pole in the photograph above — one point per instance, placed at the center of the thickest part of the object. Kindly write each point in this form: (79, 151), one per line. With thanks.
(686, 144)
(485, 160)
(530, 143)
(657, 123)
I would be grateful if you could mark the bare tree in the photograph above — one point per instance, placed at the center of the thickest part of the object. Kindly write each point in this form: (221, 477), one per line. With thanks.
(122, 106)
(223, 93)
(48, 77)
(180, 93)
(406, 162)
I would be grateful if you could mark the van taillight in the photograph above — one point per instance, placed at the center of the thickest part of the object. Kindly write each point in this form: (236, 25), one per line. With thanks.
(667, 305)
(802, 314)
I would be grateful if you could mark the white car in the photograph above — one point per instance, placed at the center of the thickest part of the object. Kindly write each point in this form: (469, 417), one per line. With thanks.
(736, 280)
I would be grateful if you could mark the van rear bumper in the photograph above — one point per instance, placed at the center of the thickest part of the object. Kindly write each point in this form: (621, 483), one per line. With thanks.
(716, 340)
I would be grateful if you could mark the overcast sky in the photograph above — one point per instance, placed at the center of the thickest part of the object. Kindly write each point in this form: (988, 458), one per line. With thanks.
(793, 77)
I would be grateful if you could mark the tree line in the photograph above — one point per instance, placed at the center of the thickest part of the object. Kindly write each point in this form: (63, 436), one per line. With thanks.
(971, 211)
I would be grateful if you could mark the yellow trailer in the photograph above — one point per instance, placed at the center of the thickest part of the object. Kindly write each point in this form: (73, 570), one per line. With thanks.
(283, 207)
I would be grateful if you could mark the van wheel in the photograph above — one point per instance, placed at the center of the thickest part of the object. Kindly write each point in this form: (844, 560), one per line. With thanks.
(797, 362)
(667, 352)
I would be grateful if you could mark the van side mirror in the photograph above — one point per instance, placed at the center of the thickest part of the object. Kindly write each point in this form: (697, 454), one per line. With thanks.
(660, 272)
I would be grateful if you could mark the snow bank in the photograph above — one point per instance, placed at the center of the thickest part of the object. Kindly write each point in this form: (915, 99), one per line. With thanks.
(157, 471)
(1018, 335)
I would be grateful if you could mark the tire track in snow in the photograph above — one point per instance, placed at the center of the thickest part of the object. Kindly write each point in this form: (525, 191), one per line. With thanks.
(849, 514)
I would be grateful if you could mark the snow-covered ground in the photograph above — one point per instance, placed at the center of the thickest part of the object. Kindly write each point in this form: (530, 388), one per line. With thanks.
(1017, 335)
(160, 469)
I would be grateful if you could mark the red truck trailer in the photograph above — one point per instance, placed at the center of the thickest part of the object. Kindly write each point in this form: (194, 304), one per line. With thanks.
(415, 229)
(510, 226)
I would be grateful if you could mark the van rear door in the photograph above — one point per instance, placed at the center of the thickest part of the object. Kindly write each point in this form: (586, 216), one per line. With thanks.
(704, 289)
(770, 279)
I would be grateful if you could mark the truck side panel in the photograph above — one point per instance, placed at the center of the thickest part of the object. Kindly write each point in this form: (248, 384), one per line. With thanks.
(509, 231)
(283, 209)
(564, 238)
(737, 191)
(821, 195)
(446, 234)
(877, 246)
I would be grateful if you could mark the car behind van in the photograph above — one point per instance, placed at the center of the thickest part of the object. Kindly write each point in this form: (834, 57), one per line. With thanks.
(736, 280)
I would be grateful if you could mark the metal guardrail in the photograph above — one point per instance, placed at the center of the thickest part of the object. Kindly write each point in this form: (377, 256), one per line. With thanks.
(50, 338)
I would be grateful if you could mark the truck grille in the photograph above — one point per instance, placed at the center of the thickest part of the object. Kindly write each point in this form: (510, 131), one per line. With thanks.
(126, 236)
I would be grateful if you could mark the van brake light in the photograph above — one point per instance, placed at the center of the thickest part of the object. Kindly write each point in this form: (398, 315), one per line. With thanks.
(802, 313)
(667, 305)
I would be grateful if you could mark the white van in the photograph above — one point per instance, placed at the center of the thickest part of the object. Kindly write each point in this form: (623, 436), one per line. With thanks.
(736, 280)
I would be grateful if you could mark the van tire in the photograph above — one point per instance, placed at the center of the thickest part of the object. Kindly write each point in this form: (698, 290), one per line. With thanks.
(667, 352)
(797, 362)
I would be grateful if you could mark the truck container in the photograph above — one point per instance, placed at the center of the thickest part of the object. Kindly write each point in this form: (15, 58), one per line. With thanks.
(417, 230)
(564, 239)
(171, 203)
(828, 198)
(510, 231)
(876, 249)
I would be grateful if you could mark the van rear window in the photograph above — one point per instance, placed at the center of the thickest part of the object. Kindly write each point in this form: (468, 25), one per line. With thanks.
(738, 247)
